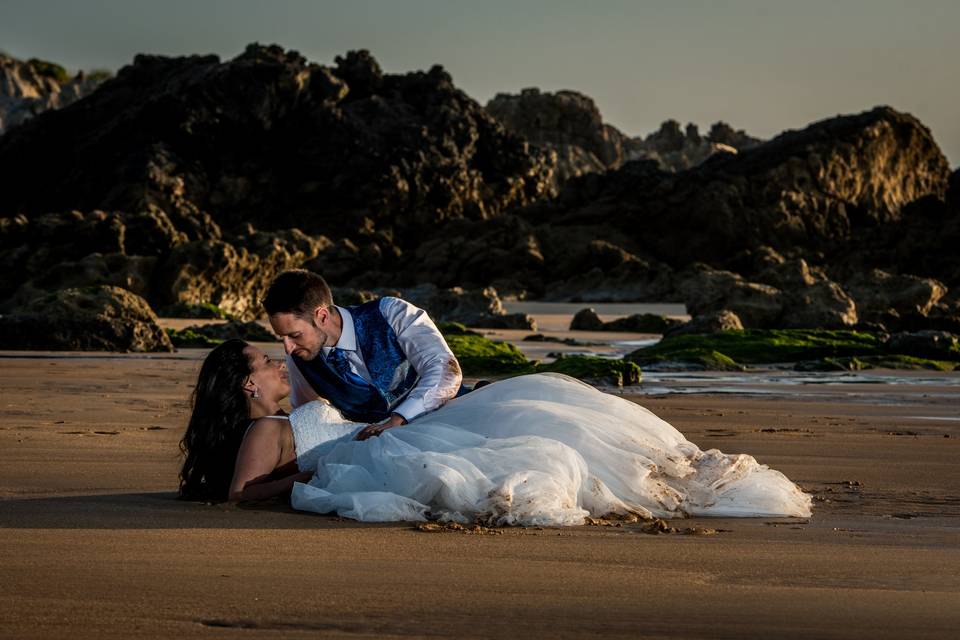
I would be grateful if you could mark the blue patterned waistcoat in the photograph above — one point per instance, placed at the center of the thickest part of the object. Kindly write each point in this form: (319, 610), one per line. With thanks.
(392, 374)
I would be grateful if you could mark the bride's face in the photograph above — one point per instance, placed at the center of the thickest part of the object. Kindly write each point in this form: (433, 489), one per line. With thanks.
(268, 376)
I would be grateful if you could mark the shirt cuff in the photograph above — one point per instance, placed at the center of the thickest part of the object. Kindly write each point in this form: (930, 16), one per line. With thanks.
(410, 408)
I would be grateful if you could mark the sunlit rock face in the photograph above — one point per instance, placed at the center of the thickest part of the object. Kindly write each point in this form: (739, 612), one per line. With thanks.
(827, 188)
(34, 86)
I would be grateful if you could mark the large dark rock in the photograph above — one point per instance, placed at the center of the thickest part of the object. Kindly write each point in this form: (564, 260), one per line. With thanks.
(893, 299)
(815, 190)
(586, 320)
(271, 139)
(936, 345)
(87, 319)
(707, 290)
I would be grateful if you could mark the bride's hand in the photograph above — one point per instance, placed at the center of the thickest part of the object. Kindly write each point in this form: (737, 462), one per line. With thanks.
(373, 430)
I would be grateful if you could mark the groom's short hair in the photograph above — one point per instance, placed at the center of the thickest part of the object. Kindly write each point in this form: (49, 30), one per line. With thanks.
(298, 292)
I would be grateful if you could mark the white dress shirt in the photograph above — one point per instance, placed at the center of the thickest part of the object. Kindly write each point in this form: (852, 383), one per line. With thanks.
(419, 339)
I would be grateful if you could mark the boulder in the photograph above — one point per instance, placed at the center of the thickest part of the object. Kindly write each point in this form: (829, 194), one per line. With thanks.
(473, 308)
(822, 305)
(99, 318)
(706, 290)
(711, 322)
(935, 345)
(890, 298)
(643, 323)
(586, 320)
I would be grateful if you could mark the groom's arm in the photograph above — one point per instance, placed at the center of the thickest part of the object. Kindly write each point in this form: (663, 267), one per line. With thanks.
(427, 351)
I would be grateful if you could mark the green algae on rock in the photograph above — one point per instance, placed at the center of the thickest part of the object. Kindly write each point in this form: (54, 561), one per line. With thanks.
(594, 370)
(812, 349)
(190, 339)
(732, 349)
(888, 361)
(478, 355)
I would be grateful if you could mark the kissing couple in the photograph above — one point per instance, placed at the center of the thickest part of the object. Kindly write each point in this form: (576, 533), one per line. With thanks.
(382, 429)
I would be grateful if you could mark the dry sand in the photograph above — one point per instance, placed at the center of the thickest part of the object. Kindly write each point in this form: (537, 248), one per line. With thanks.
(93, 544)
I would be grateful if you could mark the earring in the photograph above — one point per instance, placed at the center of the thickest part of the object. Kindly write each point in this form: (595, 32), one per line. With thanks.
(256, 393)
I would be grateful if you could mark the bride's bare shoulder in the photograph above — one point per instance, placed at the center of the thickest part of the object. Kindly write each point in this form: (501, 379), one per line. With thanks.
(268, 426)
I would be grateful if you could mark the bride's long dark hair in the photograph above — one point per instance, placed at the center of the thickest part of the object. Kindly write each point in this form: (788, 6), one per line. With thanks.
(221, 413)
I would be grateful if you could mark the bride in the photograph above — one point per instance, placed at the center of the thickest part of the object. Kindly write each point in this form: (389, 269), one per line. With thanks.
(540, 449)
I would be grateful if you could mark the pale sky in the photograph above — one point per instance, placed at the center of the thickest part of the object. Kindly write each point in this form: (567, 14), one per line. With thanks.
(763, 66)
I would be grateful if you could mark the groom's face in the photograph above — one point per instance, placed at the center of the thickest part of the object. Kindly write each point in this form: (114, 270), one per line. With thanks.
(302, 337)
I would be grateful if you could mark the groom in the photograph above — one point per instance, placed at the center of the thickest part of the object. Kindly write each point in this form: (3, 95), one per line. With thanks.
(383, 362)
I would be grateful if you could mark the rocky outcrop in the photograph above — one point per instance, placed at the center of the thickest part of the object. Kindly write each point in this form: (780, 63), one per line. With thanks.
(803, 299)
(894, 300)
(587, 270)
(569, 124)
(470, 307)
(935, 345)
(34, 86)
(676, 149)
(817, 191)
(193, 181)
(273, 140)
(86, 319)
(707, 290)
(144, 253)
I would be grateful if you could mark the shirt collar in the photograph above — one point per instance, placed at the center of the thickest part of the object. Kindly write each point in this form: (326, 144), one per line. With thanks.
(348, 335)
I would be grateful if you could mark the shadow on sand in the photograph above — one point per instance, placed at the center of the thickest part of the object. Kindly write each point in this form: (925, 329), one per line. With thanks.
(160, 510)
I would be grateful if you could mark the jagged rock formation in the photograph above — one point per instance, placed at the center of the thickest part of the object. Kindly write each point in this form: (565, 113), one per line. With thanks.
(144, 253)
(192, 159)
(34, 86)
(819, 192)
(566, 122)
(272, 140)
(676, 150)
(569, 124)
(191, 181)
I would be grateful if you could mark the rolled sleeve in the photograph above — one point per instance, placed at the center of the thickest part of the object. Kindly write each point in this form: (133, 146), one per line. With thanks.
(427, 351)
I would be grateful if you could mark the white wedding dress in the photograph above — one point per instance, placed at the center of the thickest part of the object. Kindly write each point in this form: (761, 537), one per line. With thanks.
(541, 449)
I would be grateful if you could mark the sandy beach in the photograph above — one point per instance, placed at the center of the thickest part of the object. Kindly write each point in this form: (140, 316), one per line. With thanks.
(94, 543)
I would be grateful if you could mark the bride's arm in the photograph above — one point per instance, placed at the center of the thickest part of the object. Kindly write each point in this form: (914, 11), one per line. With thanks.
(259, 455)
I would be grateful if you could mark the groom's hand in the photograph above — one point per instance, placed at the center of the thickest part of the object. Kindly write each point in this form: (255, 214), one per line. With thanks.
(372, 430)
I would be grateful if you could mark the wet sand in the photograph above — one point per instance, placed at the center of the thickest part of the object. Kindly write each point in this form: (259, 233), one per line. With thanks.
(93, 544)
